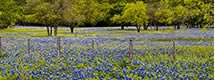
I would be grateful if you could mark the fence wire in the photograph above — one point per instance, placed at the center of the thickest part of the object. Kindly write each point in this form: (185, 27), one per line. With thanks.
(82, 47)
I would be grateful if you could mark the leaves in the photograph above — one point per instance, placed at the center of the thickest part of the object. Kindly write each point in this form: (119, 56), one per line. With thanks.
(133, 13)
(9, 13)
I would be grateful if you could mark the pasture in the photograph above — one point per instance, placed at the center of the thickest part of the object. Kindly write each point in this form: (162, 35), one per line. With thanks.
(108, 59)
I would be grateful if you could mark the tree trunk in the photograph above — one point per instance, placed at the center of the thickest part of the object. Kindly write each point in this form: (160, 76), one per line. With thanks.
(48, 30)
(200, 26)
(187, 26)
(55, 30)
(138, 28)
(122, 26)
(151, 27)
(72, 29)
(174, 26)
(146, 27)
(51, 31)
(192, 26)
(156, 27)
(178, 26)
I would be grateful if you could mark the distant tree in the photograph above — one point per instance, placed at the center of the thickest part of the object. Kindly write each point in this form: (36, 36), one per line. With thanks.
(180, 14)
(94, 11)
(53, 13)
(207, 14)
(74, 14)
(9, 13)
(46, 12)
(174, 13)
(116, 11)
(156, 14)
(115, 1)
(40, 12)
(201, 13)
(134, 13)
(84, 12)
(150, 12)
(59, 7)
(194, 12)
(20, 2)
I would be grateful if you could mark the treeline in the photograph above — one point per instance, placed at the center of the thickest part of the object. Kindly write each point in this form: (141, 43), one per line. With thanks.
(139, 13)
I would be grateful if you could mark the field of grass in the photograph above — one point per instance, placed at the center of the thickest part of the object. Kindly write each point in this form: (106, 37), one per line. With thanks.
(152, 55)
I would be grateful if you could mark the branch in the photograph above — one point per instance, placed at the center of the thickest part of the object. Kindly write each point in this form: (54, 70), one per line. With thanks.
(210, 22)
(185, 16)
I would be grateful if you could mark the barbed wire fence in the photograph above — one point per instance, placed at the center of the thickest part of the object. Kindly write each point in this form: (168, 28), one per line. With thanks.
(59, 47)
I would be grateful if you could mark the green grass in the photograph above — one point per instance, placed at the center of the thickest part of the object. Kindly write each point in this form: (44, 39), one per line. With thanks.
(43, 33)
(185, 53)
(38, 33)
(143, 31)
(164, 40)
(182, 39)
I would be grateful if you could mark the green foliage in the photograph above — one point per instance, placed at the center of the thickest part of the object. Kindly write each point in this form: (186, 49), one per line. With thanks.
(110, 12)
(74, 13)
(9, 13)
(116, 12)
(200, 12)
(133, 13)
(40, 11)
(180, 12)
(95, 12)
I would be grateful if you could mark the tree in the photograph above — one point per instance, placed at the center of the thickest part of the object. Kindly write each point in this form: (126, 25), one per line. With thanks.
(201, 12)
(163, 13)
(84, 12)
(46, 12)
(52, 13)
(9, 13)
(150, 12)
(207, 12)
(116, 11)
(180, 13)
(159, 13)
(74, 14)
(40, 12)
(59, 7)
(118, 19)
(176, 12)
(135, 13)
(94, 11)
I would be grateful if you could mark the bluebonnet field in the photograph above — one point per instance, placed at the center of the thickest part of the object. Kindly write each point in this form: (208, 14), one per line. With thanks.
(152, 59)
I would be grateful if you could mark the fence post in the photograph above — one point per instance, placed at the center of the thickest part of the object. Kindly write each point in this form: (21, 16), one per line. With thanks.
(29, 48)
(131, 48)
(174, 50)
(1, 46)
(58, 47)
(93, 49)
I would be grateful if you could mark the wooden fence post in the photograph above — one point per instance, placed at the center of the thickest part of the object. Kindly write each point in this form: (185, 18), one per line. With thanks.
(1, 46)
(29, 47)
(174, 50)
(131, 49)
(93, 49)
(58, 47)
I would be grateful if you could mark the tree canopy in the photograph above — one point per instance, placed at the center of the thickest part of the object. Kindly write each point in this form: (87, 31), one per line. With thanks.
(74, 13)
(9, 13)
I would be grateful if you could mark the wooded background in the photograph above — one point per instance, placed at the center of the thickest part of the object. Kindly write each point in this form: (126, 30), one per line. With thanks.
(78, 13)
